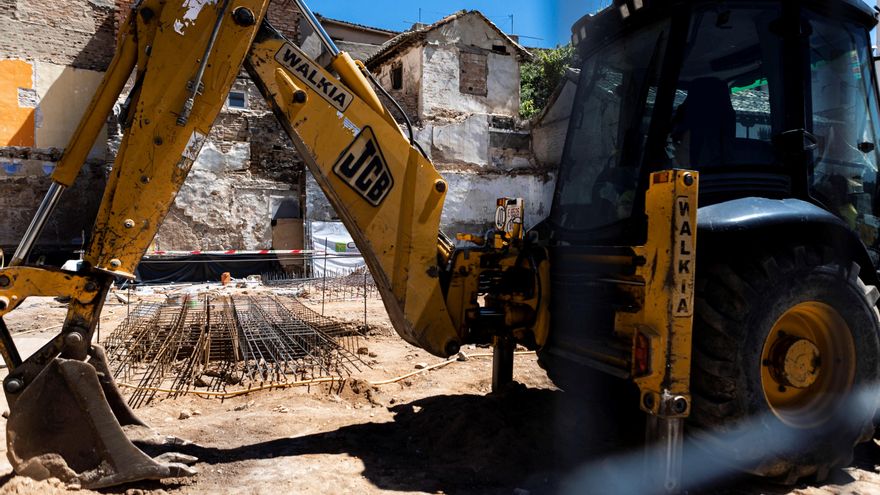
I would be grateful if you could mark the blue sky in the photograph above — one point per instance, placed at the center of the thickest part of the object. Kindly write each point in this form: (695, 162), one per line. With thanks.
(543, 23)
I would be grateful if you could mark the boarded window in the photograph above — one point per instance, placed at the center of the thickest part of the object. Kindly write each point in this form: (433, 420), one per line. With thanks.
(474, 74)
(397, 76)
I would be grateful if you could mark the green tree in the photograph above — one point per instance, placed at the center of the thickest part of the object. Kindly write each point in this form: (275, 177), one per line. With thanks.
(541, 76)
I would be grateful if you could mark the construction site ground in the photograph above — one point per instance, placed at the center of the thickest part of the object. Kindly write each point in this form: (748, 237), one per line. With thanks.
(440, 431)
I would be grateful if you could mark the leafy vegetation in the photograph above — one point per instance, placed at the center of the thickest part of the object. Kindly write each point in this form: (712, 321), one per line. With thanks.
(541, 76)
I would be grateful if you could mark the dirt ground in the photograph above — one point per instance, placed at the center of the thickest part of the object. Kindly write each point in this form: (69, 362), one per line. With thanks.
(441, 431)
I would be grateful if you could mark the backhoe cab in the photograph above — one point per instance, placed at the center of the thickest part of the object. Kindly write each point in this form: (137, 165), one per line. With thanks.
(774, 105)
(746, 125)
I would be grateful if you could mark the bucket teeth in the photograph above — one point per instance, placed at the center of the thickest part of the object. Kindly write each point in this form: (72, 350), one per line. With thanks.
(68, 424)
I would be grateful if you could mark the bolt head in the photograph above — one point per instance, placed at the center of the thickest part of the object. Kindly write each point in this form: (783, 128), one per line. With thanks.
(147, 14)
(14, 386)
(73, 339)
(129, 223)
(452, 347)
(680, 405)
(115, 263)
(300, 97)
(243, 17)
(440, 186)
(688, 180)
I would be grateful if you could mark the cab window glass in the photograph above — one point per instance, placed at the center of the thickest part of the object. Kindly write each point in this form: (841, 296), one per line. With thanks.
(842, 121)
(723, 107)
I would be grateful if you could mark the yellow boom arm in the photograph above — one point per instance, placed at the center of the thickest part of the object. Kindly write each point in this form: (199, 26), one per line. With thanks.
(387, 193)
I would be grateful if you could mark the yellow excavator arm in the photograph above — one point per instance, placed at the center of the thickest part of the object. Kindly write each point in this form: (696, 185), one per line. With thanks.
(185, 57)
(387, 193)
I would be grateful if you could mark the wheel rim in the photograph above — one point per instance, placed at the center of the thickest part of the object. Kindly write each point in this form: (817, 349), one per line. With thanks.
(807, 364)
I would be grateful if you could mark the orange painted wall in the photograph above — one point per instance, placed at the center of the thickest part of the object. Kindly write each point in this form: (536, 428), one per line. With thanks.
(16, 123)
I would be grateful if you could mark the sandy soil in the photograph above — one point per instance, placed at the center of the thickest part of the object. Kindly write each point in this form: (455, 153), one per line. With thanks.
(437, 432)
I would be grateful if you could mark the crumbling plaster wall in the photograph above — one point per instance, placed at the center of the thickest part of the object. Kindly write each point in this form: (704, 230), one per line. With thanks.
(470, 202)
(478, 143)
(247, 165)
(222, 205)
(551, 127)
(441, 61)
(409, 95)
(65, 45)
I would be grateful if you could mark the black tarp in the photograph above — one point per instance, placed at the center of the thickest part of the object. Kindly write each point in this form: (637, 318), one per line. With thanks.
(205, 267)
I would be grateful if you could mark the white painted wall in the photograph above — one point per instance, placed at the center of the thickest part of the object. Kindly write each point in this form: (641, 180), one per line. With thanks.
(440, 90)
(470, 202)
(220, 206)
(465, 141)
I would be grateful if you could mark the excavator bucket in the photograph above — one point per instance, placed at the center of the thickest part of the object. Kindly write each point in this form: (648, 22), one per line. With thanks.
(68, 424)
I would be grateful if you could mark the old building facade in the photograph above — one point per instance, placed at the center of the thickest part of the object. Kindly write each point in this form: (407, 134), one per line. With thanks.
(459, 81)
(247, 181)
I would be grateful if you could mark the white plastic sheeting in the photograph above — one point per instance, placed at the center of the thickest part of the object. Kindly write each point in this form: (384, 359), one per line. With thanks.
(342, 256)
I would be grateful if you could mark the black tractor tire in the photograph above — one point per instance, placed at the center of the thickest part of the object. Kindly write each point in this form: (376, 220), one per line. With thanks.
(739, 303)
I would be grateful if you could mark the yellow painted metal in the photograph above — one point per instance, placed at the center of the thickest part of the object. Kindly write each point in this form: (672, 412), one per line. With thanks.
(20, 282)
(350, 73)
(25, 281)
(387, 194)
(808, 360)
(666, 316)
(157, 153)
(462, 294)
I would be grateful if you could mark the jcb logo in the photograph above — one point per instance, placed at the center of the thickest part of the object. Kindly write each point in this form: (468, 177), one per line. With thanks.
(363, 167)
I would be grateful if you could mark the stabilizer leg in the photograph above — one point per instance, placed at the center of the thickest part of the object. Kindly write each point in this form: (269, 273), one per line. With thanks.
(502, 362)
(663, 455)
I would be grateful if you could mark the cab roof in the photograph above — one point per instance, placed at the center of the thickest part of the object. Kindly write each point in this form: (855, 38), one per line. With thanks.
(621, 13)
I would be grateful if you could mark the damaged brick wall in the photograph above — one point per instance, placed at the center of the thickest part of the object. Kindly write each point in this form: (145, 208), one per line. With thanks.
(52, 37)
(75, 33)
(24, 180)
(249, 162)
(247, 167)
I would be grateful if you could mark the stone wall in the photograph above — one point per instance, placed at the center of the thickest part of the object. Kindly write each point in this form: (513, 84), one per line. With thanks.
(75, 33)
(442, 93)
(24, 180)
(245, 170)
(52, 60)
(409, 63)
